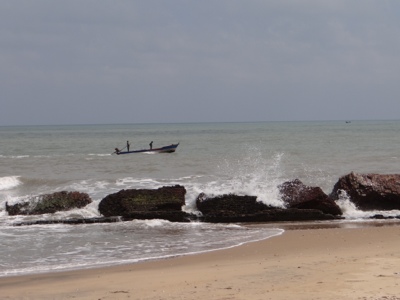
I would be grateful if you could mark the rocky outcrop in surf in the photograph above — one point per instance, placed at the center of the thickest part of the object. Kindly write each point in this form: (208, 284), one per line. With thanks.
(72, 221)
(229, 203)
(234, 208)
(163, 203)
(50, 203)
(300, 203)
(370, 191)
(295, 194)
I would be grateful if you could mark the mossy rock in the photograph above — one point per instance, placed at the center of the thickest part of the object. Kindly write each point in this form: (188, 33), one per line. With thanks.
(126, 202)
(50, 203)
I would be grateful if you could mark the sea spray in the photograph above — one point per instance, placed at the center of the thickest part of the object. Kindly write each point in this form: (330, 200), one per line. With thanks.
(351, 212)
(253, 174)
(9, 182)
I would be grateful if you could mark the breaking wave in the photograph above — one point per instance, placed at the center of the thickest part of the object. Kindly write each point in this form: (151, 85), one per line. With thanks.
(9, 182)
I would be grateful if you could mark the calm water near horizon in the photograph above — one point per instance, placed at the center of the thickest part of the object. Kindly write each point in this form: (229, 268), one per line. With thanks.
(215, 158)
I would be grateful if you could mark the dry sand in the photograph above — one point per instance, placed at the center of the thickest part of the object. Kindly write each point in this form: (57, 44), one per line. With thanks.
(325, 263)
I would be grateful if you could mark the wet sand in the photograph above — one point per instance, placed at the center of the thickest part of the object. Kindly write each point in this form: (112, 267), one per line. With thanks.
(303, 263)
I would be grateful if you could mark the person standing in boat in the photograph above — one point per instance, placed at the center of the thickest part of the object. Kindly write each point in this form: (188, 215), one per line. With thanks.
(151, 145)
(127, 145)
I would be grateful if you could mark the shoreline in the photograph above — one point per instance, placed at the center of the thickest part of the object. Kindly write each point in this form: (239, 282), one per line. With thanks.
(281, 226)
(314, 262)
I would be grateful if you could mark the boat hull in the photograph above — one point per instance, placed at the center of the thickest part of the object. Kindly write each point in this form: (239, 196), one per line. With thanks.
(165, 149)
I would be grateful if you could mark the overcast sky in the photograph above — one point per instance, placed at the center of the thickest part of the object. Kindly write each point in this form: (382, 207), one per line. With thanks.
(156, 61)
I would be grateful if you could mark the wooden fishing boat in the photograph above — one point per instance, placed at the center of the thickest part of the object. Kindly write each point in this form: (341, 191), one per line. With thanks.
(166, 149)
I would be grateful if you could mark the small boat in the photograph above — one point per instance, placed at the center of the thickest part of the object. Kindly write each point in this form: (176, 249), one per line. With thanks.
(166, 149)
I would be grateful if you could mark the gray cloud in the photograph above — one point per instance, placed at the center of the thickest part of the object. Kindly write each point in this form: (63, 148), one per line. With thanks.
(182, 61)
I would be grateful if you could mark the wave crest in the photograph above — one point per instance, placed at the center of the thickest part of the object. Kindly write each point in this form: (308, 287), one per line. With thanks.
(9, 182)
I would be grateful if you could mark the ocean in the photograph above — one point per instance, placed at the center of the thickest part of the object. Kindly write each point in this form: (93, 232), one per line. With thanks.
(214, 158)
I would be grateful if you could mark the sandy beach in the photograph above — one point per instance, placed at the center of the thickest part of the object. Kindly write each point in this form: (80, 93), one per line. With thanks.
(315, 263)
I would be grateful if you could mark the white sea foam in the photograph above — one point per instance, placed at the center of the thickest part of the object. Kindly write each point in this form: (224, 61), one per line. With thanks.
(130, 182)
(9, 182)
(11, 200)
(155, 223)
(253, 175)
(349, 209)
(96, 245)
(351, 212)
(88, 186)
(89, 211)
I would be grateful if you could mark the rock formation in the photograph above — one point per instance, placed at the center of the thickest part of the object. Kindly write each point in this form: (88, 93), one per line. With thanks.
(229, 203)
(297, 195)
(370, 191)
(50, 203)
(234, 208)
(302, 203)
(163, 203)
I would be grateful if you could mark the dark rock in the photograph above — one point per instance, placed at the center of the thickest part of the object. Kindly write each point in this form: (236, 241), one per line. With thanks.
(145, 203)
(233, 208)
(379, 217)
(270, 215)
(297, 195)
(370, 191)
(230, 204)
(50, 203)
(73, 221)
